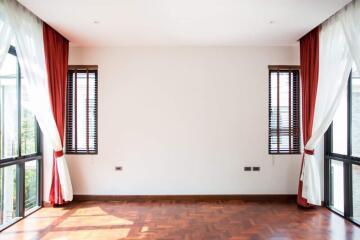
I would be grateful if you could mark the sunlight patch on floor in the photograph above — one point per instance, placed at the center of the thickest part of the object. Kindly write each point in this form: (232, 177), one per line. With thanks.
(88, 234)
(98, 218)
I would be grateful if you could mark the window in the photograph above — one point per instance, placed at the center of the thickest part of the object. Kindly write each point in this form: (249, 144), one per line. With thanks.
(284, 112)
(20, 159)
(342, 154)
(81, 122)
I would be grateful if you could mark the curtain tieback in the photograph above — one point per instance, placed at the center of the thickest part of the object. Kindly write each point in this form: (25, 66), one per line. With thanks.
(58, 154)
(309, 152)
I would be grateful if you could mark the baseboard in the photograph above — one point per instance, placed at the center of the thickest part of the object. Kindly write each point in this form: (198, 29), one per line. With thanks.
(227, 197)
(46, 204)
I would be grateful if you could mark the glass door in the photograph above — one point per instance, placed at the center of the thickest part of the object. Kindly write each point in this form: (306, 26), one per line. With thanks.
(342, 154)
(20, 158)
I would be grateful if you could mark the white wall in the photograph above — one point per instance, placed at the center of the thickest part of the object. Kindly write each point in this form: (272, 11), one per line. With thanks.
(183, 120)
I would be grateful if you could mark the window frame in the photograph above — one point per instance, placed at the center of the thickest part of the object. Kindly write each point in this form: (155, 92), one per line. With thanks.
(295, 95)
(68, 135)
(20, 161)
(347, 159)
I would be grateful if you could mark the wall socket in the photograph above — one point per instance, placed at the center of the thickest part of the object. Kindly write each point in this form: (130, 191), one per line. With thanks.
(246, 169)
(118, 168)
(256, 168)
(249, 169)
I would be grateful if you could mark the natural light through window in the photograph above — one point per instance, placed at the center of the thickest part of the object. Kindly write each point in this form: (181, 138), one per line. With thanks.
(355, 136)
(340, 127)
(8, 109)
(81, 124)
(18, 141)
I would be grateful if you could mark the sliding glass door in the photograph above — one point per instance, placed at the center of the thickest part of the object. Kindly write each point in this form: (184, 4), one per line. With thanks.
(20, 159)
(342, 154)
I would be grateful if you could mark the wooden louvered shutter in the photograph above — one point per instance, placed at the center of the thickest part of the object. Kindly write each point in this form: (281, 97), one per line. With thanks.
(81, 110)
(284, 110)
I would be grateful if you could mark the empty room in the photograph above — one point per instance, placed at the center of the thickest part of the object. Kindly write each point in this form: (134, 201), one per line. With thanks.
(179, 119)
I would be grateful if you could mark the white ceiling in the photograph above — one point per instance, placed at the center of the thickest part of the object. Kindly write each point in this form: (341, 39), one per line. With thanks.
(183, 22)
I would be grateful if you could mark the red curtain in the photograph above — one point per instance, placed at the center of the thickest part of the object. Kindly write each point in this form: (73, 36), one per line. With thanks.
(56, 57)
(309, 67)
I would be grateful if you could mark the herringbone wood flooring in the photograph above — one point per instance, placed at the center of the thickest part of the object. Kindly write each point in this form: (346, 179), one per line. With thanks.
(165, 220)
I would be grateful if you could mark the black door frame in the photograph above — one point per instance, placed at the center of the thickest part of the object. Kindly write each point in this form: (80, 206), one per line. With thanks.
(348, 160)
(20, 161)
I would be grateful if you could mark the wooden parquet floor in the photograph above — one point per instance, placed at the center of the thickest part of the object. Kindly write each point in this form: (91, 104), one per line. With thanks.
(165, 220)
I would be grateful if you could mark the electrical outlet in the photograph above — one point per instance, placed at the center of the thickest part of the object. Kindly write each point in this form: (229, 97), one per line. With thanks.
(247, 169)
(256, 168)
(118, 168)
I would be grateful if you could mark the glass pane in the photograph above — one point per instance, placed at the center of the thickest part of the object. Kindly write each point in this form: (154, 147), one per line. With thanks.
(73, 113)
(273, 111)
(31, 185)
(340, 128)
(8, 108)
(92, 111)
(28, 126)
(284, 109)
(355, 133)
(8, 190)
(356, 191)
(337, 185)
(81, 110)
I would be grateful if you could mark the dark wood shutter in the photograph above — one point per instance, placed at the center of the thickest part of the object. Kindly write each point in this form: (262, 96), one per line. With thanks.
(284, 110)
(81, 110)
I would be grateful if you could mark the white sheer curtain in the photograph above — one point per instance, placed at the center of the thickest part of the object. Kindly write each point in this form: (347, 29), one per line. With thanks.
(350, 19)
(5, 34)
(339, 44)
(28, 33)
